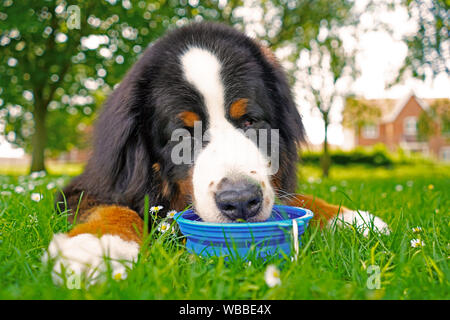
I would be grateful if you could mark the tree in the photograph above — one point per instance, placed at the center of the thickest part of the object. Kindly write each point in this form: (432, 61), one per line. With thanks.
(435, 120)
(56, 56)
(56, 69)
(324, 81)
(428, 47)
(294, 26)
(359, 112)
(310, 30)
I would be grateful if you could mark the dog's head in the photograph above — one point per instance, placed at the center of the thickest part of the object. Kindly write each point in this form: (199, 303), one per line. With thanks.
(206, 115)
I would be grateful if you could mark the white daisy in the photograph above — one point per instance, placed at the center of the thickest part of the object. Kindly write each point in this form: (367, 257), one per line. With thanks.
(119, 276)
(164, 227)
(333, 188)
(155, 209)
(398, 188)
(5, 193)
(417, 229)
(417, 243)
(36, 197)
(171, 214)
(51, 185)
(34, 175)
(19, 189)
(272, 276)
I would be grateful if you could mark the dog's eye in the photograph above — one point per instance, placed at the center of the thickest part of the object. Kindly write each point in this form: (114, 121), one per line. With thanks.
(248, 122)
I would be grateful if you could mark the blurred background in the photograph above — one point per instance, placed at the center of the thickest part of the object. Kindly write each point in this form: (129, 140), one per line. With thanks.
(371, 78)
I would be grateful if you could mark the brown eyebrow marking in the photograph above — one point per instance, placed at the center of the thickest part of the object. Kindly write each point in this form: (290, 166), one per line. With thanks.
(238, 108)
(189, 118)
(156, 167)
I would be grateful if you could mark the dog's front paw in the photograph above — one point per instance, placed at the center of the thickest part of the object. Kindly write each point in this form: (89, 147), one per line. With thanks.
(363, 221)
(88, 257)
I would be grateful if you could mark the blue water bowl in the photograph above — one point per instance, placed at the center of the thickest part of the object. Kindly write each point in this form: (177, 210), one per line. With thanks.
(247, 239)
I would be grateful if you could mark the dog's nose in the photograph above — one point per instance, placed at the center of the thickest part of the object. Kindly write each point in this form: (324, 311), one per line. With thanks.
(240, 199)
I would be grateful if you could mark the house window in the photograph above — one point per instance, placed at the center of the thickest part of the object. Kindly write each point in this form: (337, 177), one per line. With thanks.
(410, 126)
(445, 154)
(370, 131)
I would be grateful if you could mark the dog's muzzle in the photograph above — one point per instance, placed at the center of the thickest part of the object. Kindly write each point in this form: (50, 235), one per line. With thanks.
(241, 199)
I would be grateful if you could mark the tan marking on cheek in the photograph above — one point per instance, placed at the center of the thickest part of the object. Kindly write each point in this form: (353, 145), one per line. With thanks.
(253, 172)
(238, 108)
(211, 184)
(263, 184)
(276, 180)
(189, 118)
(184, 194)
(165, 189)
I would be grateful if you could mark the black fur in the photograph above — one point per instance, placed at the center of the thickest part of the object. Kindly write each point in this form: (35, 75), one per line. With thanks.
(134, 129)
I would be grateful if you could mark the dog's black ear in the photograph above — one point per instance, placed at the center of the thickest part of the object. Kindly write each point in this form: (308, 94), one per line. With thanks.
(287, 120)
(290, 118)
(120, 167)
(287, 113)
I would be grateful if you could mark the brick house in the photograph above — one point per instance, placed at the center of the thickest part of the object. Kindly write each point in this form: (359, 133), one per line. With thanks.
(398, 127)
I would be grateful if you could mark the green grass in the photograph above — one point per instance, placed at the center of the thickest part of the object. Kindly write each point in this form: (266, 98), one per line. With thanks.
(54, 168)
(331, 265)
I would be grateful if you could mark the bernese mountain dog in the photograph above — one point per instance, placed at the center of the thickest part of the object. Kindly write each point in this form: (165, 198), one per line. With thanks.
(176, 129)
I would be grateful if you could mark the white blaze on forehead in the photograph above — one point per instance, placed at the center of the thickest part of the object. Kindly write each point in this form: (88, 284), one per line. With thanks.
(202, 69)
(229, 153)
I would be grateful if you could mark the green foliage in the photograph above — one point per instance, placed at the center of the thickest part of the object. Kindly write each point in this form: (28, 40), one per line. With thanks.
(359, 112)
(437, 116)
(428, 46)
(299, 22)
(377, 156)
(358, 155)
(326, 67)
(425, 126)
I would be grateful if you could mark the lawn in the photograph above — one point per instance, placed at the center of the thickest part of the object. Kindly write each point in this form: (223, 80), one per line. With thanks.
(331, 265)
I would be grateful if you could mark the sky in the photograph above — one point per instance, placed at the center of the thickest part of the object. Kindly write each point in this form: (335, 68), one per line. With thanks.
(380, 56)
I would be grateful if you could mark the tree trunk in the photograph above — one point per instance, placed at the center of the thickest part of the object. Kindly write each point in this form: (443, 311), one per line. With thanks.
(39, 139)
(325, 161)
